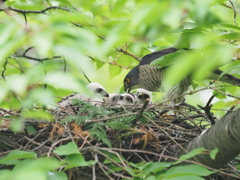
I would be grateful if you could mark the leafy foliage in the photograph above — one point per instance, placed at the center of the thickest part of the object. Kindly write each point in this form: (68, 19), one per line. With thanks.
(46, 45)
(86, 111)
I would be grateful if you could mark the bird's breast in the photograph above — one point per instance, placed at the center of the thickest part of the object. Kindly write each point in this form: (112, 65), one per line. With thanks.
(150, 78)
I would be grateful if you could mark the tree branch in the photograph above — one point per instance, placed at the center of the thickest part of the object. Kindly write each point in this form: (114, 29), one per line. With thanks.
(35, 59)
(207, 110)
(32, 11)
(224, 136)
(127, 53)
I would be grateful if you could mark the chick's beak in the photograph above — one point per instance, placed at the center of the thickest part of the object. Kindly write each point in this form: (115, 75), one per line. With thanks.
(106, 94)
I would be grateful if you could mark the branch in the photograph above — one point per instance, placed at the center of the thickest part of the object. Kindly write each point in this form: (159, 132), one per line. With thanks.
(111, 63)
(224, 136)
(234, 10)
(24, 55)
(143, 108)
(127, 53)
(207, 110)
(235, 13)
(227, 94)
(4, 68)
(35, 59)
(32, 11)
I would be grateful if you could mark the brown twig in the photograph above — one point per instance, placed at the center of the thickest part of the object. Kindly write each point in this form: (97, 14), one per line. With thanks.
(207, 110)
(35, 59)
(142, 109)
(4, 69)
(34, 11)
(234, 13)
(127, 53)
(158, 155)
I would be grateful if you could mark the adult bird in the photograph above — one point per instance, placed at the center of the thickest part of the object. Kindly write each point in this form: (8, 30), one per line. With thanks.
(152, 78)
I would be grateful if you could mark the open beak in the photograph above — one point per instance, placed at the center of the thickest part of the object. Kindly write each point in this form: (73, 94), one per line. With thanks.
(127, 89)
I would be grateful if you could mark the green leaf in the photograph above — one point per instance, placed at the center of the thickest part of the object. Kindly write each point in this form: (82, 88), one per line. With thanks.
(30, 130)
(185, 40)
(130, 171)
(17, 125)
(191, 154)
(156, 167)
(77, 160)
(231, 36)
(186, 178)
(213, 154)
(148, 178)
(5, 174)
(36, 169)
(17, 154)
(116, 125)
(231, 26)
(168, 59)
(113, 157)
(235, 65)
(70, 148)
(19, 81)
(188, 170)
(220, 95)
(57, 176)
(65, 81)
(37, 114)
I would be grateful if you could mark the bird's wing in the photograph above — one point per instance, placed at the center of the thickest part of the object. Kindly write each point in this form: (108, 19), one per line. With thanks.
(151, 57)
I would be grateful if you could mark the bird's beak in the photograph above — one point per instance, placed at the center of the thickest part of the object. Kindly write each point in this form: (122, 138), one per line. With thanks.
(106, 94)
(127, 89)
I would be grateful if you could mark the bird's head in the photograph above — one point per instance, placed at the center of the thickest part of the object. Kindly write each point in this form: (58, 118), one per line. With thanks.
(131, 81)
(115, 98)
(128, 99)
(98, 89)
(142, 95)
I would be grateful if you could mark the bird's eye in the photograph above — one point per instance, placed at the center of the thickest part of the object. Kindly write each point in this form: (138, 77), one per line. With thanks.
(129, 99)
(98, 90)
(127, 80)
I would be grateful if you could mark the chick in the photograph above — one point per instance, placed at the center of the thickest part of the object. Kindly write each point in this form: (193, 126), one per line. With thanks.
(142, 95)
(115, 99)
(128, 99)
(96, 95)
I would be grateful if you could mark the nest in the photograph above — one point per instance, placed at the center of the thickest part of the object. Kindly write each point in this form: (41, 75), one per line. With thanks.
(146, 133)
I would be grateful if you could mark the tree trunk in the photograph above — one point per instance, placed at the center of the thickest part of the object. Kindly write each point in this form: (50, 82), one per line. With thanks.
(224, 135)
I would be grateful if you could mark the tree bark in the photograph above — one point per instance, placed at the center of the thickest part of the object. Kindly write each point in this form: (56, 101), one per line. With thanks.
(224, 135)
